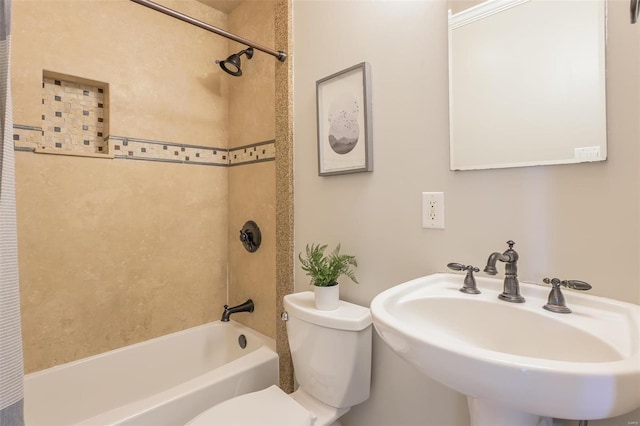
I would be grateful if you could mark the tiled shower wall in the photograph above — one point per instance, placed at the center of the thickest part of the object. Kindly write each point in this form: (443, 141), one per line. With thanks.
(114, 252)
(74, 123)
(73, 116)
(252, 190)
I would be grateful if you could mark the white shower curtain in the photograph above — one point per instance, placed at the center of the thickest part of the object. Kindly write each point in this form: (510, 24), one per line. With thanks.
(11, 364)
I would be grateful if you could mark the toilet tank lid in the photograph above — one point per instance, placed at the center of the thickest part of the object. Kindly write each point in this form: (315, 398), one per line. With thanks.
(348, 316)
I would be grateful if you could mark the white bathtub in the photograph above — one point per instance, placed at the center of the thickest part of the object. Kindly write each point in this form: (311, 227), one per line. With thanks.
(163, 381)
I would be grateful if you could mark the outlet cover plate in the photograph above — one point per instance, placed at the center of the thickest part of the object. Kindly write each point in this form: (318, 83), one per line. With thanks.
(433, 210)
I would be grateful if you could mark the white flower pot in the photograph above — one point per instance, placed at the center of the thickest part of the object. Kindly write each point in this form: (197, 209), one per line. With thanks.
(327, 298)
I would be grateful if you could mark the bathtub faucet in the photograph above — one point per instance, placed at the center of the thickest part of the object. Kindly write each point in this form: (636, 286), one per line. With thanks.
(245, 307)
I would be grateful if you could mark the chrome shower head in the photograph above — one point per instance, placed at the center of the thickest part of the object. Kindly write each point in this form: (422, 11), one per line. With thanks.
(231, 65)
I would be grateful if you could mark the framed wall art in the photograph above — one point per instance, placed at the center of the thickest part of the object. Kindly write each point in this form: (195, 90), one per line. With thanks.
(344, 121)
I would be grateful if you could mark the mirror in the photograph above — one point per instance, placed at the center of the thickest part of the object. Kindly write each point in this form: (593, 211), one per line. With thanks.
(526, 83)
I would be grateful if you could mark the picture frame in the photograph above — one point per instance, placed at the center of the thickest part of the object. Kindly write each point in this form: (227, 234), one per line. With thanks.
(344, 121)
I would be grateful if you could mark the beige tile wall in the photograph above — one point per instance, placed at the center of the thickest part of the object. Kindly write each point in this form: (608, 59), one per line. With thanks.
(252, 275)
(252, 187)
(114, 252)
(252, 96)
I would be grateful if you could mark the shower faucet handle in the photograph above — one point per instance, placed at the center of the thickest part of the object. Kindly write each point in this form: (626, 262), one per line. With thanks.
(250, 236)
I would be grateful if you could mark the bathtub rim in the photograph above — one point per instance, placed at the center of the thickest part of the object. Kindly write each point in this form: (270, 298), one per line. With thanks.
(269, 342)
(262, 355)
(125, 413)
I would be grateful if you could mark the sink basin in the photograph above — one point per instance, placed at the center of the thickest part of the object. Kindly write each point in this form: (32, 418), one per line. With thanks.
(584, 365)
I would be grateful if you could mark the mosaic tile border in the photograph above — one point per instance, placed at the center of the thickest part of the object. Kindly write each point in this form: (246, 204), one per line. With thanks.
(255, 153)
(30, 138)
(150, 150)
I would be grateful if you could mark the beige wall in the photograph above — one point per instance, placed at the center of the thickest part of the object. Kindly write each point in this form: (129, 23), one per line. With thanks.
(574, 221)
(114, 252)
(252, 186)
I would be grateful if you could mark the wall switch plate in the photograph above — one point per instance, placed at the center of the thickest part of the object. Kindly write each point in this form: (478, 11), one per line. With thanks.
(433, 210)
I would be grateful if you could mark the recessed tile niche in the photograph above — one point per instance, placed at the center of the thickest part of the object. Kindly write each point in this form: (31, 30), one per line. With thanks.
(74, 115)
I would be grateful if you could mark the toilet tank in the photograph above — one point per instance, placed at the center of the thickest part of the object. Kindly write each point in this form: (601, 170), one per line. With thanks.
(331, 350)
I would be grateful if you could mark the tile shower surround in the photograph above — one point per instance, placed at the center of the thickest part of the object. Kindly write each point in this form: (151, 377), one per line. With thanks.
(74, 123)
(142, 149)
(28, 138)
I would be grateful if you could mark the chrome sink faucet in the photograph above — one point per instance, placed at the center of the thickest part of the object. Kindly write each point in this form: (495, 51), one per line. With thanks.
(511, 290)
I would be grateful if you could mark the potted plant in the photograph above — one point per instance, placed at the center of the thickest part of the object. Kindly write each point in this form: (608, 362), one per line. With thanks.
(324, 271)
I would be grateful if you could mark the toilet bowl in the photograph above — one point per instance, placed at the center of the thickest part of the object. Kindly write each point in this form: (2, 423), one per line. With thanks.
(270, 407)
(331, 353)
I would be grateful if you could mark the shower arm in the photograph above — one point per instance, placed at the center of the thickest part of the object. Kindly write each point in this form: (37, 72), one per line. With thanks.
(282, 56)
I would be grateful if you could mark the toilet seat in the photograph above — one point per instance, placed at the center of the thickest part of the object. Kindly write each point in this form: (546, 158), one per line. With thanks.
(268, 407)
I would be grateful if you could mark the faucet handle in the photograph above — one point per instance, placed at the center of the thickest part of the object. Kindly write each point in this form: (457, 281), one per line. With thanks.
(469, 286)
(457, 266)
(555, 282)
(573, 284)
(556, 302)
(577, 284)
(461, 267)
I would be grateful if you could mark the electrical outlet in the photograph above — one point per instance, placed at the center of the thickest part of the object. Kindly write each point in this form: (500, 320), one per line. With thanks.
(433, 210)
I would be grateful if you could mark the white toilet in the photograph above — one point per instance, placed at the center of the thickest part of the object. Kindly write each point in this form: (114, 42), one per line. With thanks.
(331, 353)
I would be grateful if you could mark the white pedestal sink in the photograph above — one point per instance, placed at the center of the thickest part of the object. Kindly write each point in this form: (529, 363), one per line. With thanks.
(516, 362)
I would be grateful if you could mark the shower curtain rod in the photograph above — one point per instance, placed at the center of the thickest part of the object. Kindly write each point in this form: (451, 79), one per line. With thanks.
(155, 6)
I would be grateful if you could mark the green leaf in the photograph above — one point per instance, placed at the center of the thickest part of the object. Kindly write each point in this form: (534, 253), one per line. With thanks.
(325, 270)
